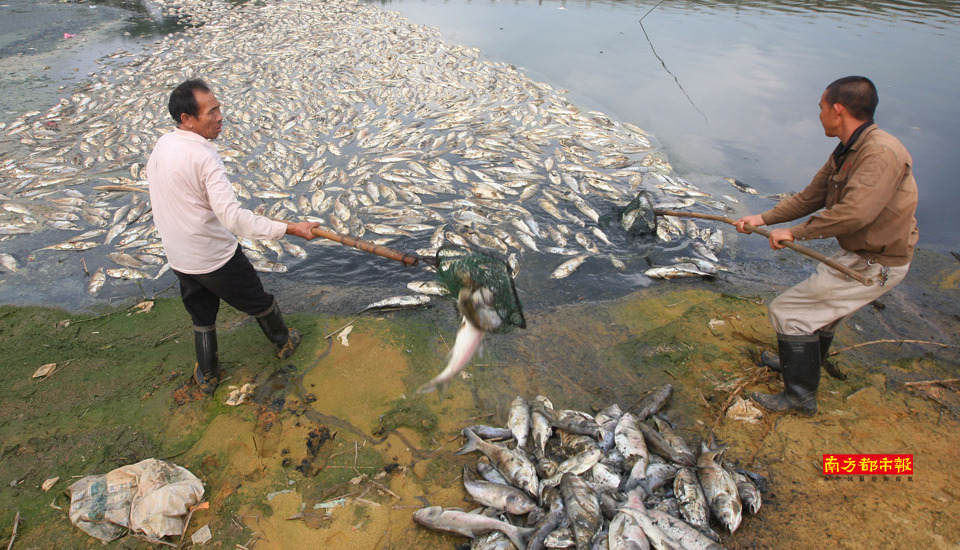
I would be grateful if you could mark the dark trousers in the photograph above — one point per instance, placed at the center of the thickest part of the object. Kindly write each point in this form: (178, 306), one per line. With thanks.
(236, 283)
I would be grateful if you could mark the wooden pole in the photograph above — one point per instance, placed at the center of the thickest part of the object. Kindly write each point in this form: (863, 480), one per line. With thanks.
(788, 244)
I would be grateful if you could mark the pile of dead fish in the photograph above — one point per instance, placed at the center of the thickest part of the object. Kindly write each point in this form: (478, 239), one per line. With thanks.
(342, 113)
(617, 480)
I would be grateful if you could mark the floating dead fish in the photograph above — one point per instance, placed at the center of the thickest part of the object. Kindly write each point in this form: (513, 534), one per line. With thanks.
(566, 268)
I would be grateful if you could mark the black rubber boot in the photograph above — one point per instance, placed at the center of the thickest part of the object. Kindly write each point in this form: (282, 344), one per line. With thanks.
(772, 360)
(286, 340)
(207, 370)
(800, 360)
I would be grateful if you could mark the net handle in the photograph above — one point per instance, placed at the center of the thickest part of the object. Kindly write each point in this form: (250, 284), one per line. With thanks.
(366, 246)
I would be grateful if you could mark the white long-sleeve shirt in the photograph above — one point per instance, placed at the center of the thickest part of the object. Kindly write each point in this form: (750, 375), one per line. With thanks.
(194, 206)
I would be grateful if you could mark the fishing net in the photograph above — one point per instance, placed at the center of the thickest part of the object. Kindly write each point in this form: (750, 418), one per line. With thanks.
(637, 218)
(459, 267)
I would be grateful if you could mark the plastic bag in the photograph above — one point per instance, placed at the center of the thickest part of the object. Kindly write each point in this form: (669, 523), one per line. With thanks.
(150, 496)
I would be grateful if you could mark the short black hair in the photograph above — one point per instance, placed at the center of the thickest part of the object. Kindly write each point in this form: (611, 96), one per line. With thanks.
(182, 99)
(857, 94)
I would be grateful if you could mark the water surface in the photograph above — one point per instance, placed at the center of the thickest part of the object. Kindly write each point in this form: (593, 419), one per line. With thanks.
(731, 88)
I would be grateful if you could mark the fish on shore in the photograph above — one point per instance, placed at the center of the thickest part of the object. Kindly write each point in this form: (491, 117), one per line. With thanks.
(719, 488)
(469, 525)
(397, 302)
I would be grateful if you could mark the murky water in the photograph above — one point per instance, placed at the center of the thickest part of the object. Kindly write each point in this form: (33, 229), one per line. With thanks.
(48, 47)
(731, 87)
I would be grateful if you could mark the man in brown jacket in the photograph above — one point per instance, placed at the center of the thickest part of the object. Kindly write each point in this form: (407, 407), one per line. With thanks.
(866, 197)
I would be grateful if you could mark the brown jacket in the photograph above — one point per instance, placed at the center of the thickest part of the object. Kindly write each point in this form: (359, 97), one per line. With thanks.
(869, 201)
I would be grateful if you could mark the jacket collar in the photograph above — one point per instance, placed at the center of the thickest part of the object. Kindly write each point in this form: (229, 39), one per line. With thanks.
(842, 149)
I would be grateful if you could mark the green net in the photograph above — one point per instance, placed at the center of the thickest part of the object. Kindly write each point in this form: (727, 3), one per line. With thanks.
(459, 267)
(635, 219)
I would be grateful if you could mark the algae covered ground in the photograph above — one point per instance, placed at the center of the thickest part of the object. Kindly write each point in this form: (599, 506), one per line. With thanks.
(336, 451)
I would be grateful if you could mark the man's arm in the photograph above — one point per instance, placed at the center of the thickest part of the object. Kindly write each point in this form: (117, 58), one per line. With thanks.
(302, 229)
(868, 191)
(756, 220)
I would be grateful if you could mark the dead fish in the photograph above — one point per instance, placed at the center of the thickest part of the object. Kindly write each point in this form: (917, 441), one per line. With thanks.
(398, 302)
(8, 262)
(469, 525)
(96, 281)
(630, 443)
(513, 464)
(126, 273)
(77, 246)
(467, 344)
(489, 433)
(742, 187)
(518, 420)
(566, 268)
(658, 444)
(502, 497)
(719, 488)
(267, 266)
(652, 401)
(693, 503)
(607, 418)
(582, 507)
(540, 428)
(688, 537)
(430, 288)
(746, 490)
(676, 271)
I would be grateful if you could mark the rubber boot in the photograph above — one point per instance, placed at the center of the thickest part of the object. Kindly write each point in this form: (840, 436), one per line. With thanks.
(286, 340)
(772, 360)
(207, 370)
(800, 362)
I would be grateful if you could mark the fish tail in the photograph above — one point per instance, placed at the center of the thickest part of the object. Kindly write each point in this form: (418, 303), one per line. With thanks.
(471, 444)
(437, 384)
(519, 535)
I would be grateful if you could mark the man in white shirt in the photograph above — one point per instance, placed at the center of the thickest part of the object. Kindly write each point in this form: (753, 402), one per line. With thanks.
(198, 216)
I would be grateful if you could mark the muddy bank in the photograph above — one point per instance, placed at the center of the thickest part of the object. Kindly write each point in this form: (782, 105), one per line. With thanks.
(338, 451)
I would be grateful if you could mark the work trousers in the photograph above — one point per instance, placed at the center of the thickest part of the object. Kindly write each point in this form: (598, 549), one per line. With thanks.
(236, 283)
(828, 297)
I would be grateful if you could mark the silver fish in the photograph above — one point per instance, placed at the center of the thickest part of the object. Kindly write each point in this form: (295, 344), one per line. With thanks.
(468, 524)
(582, 507)
(518, 420)
(467, 344)
(746, 490)
(693, 503)
(8, 262)
(566, 268)
(398, 302)
(96, 281)
(719, 488)
(630, 443)
(742, 187)
(652, 401)
(688, 537)
(514, 466)
(502, 497)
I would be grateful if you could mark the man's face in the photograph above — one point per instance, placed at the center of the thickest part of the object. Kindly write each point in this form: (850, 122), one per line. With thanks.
(208, 122)
(829, 117)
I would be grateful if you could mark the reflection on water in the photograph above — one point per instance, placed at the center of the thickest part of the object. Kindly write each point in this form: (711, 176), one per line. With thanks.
(730, 87)
(927, 12)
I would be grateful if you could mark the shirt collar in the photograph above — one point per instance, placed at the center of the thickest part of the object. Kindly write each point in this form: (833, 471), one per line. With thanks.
(187, 134)
(842, 149)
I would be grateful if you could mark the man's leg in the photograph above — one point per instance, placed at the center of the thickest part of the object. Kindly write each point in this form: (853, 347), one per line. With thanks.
(805, 317)
(238, 284)
(202, 305)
